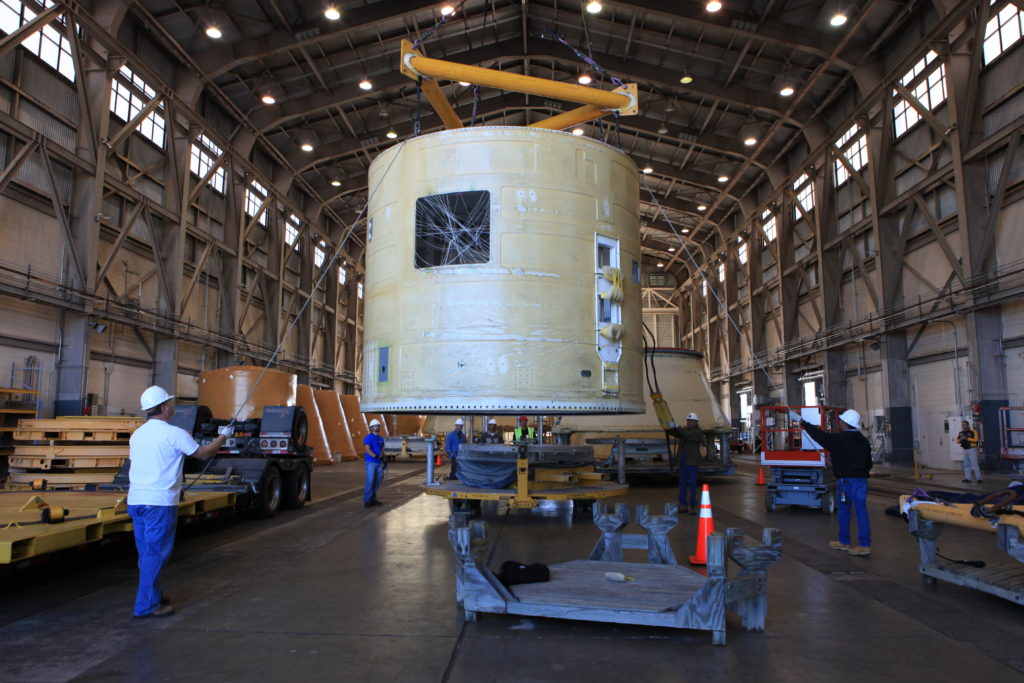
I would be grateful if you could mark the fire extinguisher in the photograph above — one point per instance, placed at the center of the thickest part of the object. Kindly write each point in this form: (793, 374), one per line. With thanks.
(976, 409)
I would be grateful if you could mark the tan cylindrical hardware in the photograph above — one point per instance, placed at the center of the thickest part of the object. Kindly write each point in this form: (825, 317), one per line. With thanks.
(317, 437)
(684, 388)
(335, 423)
(223, 391)
(357, 425)
(503, 276)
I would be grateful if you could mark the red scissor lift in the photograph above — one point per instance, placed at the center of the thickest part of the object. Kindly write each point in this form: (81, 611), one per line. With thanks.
(797, 476)
(1011, 437)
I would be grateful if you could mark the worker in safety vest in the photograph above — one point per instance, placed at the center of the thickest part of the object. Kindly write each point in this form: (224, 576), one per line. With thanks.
(968, 440)
(492, 435)
(523, 432)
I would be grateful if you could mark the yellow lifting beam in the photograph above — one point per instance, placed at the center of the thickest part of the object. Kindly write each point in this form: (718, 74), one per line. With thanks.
(596, 102)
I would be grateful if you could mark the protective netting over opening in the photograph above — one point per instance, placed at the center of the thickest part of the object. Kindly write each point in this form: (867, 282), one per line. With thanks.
(453, 229)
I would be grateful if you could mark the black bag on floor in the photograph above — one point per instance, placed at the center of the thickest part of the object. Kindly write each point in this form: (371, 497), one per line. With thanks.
(513, 572)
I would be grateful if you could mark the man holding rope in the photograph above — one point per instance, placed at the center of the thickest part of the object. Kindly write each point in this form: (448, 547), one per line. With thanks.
(157, 453)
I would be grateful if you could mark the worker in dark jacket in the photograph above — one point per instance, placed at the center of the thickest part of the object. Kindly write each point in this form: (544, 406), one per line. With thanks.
(851, 463)
(688, 452)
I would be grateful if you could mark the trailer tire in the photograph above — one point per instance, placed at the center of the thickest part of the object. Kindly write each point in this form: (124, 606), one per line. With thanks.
(295, 488)
(270, 493)
(769, 502)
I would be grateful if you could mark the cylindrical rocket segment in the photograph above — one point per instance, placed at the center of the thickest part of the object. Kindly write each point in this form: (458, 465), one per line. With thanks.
(503, 276)
(224, 391)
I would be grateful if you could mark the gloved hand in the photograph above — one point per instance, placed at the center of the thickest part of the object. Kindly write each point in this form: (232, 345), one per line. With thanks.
(795, 416)
(672, 424)
(226, 430)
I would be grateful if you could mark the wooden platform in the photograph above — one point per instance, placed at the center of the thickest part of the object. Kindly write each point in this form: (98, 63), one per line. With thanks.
(582, 584)
(77, 429)
(91, 517)
(659, 593)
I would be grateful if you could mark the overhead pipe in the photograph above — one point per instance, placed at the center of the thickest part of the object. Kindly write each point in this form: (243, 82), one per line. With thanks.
(414, 65)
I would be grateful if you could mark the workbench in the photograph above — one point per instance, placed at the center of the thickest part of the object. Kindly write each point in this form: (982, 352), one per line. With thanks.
(1004, 579)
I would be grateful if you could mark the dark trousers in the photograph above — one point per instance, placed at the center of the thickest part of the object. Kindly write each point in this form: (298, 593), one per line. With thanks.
(688, 480)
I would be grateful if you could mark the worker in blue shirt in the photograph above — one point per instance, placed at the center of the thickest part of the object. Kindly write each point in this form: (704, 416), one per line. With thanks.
(452, 442)
(373, 457)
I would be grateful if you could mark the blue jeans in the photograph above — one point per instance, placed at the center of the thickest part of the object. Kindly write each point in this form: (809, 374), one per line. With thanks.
(856, 491)
(155, 526)
(374, 475)
(688, 479)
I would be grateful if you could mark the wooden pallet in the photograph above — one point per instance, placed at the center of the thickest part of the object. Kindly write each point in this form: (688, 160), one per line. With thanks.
(59, 462)
(63, 479)
(77, 429)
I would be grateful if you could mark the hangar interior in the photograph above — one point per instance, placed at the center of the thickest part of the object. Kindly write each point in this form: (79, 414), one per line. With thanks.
(830, 205)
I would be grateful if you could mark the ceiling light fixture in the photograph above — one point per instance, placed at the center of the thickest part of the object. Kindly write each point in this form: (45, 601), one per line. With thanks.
(577, 131)
(685, 232)
(584, 79)
(332, 13)
(713, 6)
(336, 182)
(648, 169)
(446, 10)
(593, 6)
(663, 130)
(391, 134)
(787, 90)
(671, 248)
(723, 178)
(750, 141)
(306, 146)
(213, 32)
(267, 98)
(686, 78)
(365, 84)
(702, 207)
(838, 19)
(465, 84)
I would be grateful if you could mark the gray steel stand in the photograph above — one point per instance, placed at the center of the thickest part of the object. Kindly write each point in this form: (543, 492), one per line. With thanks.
(656, 593)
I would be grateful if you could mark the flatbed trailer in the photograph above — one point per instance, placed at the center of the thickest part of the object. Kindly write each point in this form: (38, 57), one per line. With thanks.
(28, 528)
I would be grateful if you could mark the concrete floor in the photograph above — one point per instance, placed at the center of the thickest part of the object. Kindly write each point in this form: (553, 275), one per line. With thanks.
(338, 592)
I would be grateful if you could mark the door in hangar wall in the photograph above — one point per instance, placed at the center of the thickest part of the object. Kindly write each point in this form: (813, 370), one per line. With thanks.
(933, 398)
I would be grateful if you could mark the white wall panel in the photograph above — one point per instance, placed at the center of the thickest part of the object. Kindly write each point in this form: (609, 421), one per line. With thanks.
(933, 400)
(118, 386)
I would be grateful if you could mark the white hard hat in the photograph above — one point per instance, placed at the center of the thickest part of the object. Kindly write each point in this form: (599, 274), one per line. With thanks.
(375, 422)
(152, 397)
(692, 416)
(492, 422)
(459, 422)
(851, 417)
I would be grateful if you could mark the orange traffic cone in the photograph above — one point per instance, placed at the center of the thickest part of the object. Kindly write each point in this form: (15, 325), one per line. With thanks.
(437, 460)
(760, 476)
(706, 527)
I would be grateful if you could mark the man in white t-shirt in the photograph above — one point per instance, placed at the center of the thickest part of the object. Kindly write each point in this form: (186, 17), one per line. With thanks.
(157, 453)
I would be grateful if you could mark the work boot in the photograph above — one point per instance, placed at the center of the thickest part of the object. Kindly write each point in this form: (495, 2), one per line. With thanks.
(860, 550)
(162, 611)
(165, 599)
(375, 502)
(684, 509)
(368, 504)
(836, 545)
